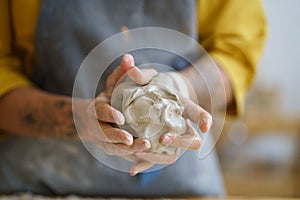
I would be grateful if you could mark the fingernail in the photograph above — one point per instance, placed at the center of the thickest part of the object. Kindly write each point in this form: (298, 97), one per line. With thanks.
(126, 57)
(205, 124)
(167, 139)
(129, 140)
(202, 125)
(120, 119)
(147, 144)
(133, 173)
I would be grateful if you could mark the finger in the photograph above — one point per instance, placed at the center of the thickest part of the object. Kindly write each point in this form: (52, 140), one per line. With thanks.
(143, 76)
(196, 114)
(123, 150)
(107, 113)
(190, 140)
(163, 158)
(126, 63)
(140, 167)
(114, 135)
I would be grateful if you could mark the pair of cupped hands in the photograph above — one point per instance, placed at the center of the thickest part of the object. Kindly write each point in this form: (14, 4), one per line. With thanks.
(118, 142)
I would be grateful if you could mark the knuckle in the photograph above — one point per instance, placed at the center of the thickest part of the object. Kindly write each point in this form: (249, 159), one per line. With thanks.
(112, 134)
(106, 136)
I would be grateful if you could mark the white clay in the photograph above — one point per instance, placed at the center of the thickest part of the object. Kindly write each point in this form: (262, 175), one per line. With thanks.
(150, 110)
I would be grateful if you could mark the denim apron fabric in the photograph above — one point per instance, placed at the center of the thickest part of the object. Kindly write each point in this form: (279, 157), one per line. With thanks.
(67, 31)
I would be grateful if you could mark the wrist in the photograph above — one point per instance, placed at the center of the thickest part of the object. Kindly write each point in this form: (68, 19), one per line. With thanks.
(182, 85)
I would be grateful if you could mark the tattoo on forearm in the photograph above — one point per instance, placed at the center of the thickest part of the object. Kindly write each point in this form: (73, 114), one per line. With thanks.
(50, 119)
(60, 104)
(29, 118)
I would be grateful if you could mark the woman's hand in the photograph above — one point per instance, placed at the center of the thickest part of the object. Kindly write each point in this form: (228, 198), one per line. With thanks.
(112, 140)
(115, 141)
(191, 139)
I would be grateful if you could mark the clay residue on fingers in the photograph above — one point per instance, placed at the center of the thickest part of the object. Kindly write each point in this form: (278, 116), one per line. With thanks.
(150, 110)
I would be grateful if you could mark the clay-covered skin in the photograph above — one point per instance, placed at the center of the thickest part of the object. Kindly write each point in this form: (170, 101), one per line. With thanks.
(150, 110)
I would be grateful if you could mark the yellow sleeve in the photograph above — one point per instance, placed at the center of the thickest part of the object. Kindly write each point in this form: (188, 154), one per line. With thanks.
(233, 32)
(11, 75)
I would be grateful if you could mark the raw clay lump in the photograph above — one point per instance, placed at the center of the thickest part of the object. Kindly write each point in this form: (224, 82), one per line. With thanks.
(150, 110)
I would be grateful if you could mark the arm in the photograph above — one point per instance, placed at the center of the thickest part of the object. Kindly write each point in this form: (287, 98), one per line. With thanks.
(28, 111)
(24, 109)
(199, 88)
(31, 112)
(233, 33)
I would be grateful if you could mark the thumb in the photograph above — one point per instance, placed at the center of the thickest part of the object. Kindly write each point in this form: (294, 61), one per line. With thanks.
(113, 78)
(126, 63)
(141, 76)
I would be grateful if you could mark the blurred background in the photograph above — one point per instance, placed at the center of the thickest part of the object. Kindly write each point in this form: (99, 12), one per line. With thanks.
(260, 151)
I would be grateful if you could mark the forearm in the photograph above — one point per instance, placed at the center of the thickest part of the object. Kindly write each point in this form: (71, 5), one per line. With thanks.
(219, 85)
(32, 112)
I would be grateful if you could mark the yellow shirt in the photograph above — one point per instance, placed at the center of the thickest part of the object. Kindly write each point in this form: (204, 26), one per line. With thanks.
(232, 31)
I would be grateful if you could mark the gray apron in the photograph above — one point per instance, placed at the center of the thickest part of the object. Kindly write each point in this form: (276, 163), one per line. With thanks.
(67, 31)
